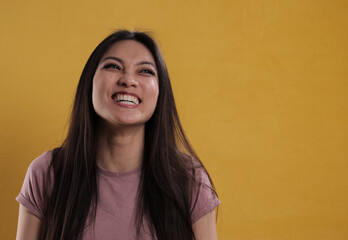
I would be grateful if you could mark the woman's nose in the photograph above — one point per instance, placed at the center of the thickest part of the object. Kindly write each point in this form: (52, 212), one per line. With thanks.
(127, 80)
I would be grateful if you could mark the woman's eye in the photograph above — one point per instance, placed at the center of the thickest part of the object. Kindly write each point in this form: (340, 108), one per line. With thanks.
(148, 71)
(111, 65)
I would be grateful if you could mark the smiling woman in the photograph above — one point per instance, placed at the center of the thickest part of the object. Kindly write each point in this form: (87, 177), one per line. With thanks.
(125, 84)
(119, 174)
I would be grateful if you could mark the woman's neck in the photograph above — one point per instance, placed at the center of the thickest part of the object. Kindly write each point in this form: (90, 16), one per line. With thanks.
(120, 149)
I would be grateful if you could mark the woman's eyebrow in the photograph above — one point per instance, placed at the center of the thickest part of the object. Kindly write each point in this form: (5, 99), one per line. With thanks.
(122, 62)
(113, 58)
(147, 62)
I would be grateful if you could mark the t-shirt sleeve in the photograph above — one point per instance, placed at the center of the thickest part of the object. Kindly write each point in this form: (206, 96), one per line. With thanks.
(31, 195)
(204, 197)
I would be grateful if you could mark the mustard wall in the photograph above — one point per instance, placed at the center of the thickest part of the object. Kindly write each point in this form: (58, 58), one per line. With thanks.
(261, 88)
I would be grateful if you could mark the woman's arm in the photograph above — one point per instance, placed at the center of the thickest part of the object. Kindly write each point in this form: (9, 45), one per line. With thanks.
(205, 227)
(28, 225)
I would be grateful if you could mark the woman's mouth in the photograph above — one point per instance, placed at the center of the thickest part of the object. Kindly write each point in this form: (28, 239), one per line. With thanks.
(126, 98)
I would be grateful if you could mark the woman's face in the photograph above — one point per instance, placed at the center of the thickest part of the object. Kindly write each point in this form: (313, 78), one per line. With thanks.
(125, 84)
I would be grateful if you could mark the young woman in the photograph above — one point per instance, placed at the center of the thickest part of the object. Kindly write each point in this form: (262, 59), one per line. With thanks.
(126, 169)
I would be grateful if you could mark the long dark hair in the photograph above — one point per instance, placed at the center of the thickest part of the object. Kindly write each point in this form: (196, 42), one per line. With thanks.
(167, 176)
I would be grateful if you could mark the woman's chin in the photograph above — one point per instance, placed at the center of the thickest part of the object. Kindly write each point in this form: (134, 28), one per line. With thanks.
(127, 123)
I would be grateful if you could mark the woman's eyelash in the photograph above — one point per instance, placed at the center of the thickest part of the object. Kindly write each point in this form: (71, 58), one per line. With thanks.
(148, 71)
(115, 66)
(111, 65)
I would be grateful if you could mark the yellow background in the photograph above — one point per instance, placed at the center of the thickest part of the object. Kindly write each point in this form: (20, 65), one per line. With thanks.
(261, 88)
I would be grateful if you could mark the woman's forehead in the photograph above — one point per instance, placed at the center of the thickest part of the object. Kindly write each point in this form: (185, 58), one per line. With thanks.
(129, 50)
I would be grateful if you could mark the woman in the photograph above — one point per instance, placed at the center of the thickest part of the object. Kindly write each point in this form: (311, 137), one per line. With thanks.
(119, 173)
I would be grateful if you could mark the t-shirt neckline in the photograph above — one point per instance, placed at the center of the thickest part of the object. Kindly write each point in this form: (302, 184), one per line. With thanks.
(106, 172)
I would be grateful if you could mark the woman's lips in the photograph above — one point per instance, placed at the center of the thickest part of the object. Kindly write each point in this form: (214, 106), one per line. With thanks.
(126, 99)
(126, 93)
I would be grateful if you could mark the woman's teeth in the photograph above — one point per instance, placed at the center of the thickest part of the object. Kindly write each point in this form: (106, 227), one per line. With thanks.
(126, 99)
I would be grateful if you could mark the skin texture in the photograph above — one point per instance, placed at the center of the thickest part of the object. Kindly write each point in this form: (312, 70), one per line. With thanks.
(129, 67)
(28, 227)
(205, 227)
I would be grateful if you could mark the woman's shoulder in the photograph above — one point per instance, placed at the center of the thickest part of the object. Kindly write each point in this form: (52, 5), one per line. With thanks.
(194, 167)
(38, 170)
(34, 185)
(41, 163)
(204, 196)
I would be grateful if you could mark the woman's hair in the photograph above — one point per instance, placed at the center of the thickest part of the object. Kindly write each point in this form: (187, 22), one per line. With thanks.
(165, 191)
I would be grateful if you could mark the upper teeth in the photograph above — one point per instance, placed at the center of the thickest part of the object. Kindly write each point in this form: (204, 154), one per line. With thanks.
(126, 99)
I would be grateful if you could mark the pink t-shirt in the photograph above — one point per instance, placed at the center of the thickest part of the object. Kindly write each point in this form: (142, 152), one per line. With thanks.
(116, 200)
